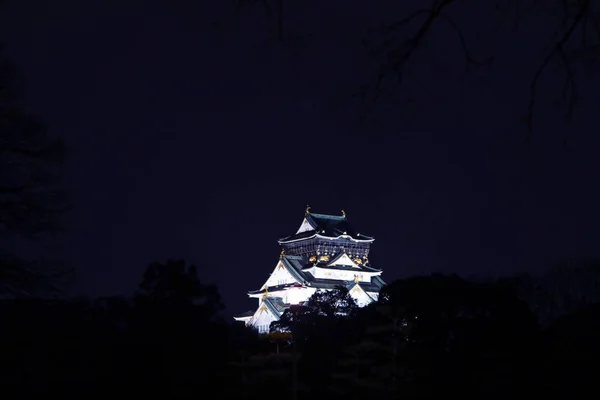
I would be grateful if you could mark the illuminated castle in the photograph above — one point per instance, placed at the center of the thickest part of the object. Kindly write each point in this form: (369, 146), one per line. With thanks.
(324, 254)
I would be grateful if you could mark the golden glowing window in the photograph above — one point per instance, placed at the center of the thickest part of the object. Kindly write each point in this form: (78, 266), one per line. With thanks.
(324, 258)
(312, 258)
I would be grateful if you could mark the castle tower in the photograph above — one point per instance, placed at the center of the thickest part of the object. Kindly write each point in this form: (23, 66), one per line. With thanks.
(323, 254)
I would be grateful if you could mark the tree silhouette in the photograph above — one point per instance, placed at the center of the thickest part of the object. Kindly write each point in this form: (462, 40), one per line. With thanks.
(177, 316)
(332, 303)
(319, 329)
(324, 307)
(31, 196)
(441, 334)
(560, 290)
(425, 337)
(175, 284)
(572, 348)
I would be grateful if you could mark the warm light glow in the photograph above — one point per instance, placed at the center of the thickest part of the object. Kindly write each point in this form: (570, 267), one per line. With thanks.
(324, 258)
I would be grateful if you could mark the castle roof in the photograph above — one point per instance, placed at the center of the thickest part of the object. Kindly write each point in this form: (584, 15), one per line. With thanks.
(297, 266)
(276, 305)
(374, 286)
(331, 226)
(343, 262)
(362, 268)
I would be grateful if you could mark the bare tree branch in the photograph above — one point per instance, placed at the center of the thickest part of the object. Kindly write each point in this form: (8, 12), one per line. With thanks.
(395, 45)
(469, 58)
(398, 55)
(557, 50)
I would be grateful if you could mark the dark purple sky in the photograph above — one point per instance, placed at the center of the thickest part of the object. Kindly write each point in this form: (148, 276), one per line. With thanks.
(192, 136)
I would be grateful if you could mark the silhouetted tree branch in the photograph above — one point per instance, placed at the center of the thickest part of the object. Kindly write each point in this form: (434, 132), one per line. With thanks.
(396, 53)
(558, 51)
(394, 45)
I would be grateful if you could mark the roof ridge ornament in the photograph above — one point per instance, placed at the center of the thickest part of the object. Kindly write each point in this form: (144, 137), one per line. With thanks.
(343, 213)
(307, 210)
(281, 254)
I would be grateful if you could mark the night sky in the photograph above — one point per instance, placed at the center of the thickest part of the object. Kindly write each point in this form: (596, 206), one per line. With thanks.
(192, 135)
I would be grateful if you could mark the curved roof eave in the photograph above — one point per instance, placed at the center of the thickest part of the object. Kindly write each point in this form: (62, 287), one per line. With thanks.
(369, 240)
(370, 271)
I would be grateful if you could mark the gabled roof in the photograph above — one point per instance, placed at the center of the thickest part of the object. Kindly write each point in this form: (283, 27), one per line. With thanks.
(357, 286)
(293, 265)
(378, 281)
(342, 259)
(372, 286)
(331, 226)
(362, 268)
(296, 265)
(340, 262)
(276, 305)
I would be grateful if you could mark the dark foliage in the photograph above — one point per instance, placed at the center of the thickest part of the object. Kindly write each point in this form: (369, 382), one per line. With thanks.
(166, 341)
(31, 195)
(426, 337)
(31, 198)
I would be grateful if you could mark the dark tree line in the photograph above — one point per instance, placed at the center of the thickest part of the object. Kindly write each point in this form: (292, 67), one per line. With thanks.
(164, 340)
(425, 337)
(435, 336)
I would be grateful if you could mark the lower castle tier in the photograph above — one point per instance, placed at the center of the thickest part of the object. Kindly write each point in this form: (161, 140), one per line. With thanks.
(323, 254)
